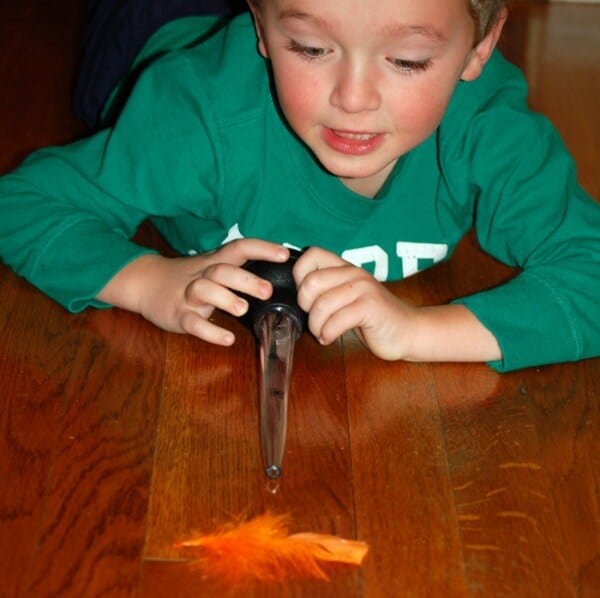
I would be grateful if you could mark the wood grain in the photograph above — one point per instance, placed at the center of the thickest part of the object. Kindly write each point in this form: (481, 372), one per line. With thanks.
(92, 529)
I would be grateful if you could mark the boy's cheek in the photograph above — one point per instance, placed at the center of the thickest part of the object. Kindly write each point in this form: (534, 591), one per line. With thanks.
(298, 101)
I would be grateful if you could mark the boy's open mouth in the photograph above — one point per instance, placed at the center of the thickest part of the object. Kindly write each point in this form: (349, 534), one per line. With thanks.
(355, 136)
(351, 142)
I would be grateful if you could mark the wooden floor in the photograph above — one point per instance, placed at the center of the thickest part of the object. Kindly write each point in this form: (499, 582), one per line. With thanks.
(117, 439)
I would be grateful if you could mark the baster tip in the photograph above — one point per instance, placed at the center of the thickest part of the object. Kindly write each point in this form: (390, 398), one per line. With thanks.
(273, 472)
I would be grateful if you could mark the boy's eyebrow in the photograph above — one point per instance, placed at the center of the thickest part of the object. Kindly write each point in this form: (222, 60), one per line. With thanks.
(396, 30)
(293, 13)
(427, 31)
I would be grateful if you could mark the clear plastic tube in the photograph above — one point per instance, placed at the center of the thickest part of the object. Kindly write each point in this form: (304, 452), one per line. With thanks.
(277, 333)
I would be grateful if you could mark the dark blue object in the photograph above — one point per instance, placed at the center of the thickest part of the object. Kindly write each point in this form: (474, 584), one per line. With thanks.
(115, 32)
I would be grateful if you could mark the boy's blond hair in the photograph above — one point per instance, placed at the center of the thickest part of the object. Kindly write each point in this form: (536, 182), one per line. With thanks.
(484, 13)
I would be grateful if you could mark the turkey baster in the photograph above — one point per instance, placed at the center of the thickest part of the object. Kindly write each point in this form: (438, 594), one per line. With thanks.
(277, 323)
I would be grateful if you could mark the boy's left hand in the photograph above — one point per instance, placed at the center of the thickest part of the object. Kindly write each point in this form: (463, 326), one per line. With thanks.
(339, 296)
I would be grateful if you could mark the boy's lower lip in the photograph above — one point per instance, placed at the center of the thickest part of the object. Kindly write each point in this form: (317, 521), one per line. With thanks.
(351, 142)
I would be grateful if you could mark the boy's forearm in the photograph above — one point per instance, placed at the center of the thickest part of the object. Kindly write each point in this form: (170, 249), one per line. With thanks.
(123, 289)
(451, 333)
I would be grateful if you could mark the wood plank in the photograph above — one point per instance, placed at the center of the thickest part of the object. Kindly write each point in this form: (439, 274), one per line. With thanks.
(565, 408)
(403, 494)
(94, 512)
(209, 467)
(166, 579)
(34, 369)
(508, 522)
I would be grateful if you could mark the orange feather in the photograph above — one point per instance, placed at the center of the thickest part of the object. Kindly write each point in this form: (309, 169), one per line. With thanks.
(260, 549)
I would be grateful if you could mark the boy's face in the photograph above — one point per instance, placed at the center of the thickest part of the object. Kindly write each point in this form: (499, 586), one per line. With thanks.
(362, 82)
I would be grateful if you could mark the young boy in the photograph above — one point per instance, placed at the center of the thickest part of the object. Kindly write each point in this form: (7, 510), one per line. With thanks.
(377, 132)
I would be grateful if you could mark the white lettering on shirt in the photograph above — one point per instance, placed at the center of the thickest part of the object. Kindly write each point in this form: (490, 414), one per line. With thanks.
(369, 255)
(232, 234)
(409, 253)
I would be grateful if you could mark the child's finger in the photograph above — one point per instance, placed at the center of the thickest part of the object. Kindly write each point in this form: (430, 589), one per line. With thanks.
(319, 282)
(340, 321)
(228, 278)
(202, 293)
(314, 259)
(194, 324)
(241, 250)
(333, 300)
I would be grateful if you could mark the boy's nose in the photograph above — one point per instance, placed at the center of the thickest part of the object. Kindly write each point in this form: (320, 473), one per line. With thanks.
(355, 90)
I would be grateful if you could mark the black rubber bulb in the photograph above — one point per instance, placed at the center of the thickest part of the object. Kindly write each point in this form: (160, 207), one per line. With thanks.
(284, 294)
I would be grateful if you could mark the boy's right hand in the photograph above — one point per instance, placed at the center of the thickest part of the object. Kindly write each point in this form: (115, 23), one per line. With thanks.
(180, 294)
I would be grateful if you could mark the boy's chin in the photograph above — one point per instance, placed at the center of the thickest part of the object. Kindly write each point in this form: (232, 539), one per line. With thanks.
(357, 169)
(347, 167)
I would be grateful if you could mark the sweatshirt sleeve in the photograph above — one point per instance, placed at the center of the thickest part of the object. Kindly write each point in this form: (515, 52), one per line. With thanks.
(531, 213)
(68, 213)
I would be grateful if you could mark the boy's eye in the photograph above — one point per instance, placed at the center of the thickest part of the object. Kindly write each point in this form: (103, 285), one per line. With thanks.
(410, 66)
(308, 52)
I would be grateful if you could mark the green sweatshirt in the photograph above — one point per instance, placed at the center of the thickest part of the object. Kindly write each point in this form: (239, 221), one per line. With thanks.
(201, 149)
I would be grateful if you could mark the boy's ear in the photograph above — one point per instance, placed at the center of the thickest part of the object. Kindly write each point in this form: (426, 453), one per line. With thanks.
(262, 47)
(481, 53)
